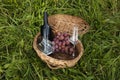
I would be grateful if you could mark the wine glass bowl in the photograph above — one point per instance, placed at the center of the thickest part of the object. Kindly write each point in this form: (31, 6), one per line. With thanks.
(46, 46)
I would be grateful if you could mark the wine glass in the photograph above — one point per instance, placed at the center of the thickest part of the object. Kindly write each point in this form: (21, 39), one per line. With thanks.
(46, 46)
(74, 38)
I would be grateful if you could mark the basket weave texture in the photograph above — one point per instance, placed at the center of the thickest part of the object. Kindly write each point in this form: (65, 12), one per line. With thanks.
(63, 23)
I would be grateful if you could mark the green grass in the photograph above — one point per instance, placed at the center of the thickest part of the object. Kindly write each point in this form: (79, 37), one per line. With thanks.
(20, 21)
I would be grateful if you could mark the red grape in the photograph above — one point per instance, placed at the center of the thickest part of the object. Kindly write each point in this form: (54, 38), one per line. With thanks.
(61, 37)
(67, 42)
(57, 41)
(54, 39)
(57, 50)
(63, 43)
(57, 37)
(63, 46)
(56, 46)
(59, 33)
(60, 47)
(60, 43)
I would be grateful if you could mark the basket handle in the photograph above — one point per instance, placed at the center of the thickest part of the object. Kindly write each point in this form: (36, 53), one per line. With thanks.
(54, 67)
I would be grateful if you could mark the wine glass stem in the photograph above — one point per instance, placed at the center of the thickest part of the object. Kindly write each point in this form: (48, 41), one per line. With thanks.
(73, 51)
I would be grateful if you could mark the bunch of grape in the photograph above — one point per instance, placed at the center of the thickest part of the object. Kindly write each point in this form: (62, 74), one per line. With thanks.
(62, 43)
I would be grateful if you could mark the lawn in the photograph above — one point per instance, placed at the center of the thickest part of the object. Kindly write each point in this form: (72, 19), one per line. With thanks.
(20, 21)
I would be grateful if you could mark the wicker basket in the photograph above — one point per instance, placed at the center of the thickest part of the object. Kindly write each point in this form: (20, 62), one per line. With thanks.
(64, 23)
